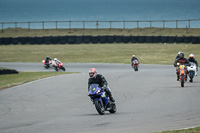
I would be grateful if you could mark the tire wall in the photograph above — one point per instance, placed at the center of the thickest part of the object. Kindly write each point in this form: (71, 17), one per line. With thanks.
(98, 39)
(8, 71)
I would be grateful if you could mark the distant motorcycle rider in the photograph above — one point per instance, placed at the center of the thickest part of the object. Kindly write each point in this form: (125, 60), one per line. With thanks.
(192, 59)
(182, 61)
(99, 79)
(55, 61)
(47, 60)
(178, 55)
(134, 58)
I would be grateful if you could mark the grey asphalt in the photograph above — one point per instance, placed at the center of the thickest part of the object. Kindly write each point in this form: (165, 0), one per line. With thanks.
(147, 101)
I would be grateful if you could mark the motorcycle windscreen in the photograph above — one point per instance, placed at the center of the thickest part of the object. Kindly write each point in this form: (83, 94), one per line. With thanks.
(93, 88)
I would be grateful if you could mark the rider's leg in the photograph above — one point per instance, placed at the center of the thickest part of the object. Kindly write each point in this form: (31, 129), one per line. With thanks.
(107, 90)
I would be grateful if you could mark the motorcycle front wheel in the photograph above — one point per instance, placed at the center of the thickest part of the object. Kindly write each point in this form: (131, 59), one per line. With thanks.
(136, 69)
(62, 68)
(182, 81)
(191, 75)
(99, 107)
(56, 69)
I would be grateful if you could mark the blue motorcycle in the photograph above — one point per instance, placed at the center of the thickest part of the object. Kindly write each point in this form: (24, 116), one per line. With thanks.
(100, 100)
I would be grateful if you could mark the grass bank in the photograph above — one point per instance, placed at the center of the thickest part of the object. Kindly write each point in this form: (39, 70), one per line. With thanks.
(20, 32)
(10, 80)
(98, 53)
(190, 130)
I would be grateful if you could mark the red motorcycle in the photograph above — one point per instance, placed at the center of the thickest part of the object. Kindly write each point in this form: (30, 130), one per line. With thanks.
(58, 65)
(135, 65)
(182, 72)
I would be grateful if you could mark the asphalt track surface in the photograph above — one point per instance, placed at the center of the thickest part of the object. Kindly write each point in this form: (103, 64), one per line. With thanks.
(147, 101)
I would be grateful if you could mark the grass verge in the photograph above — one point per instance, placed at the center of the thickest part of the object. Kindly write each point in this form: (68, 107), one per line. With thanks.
(190, 130)
(99, 53)
(10, 80)
(21, 32)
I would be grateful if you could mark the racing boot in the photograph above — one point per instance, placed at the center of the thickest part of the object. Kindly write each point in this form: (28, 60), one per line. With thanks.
(110, 96)
(177, 78)
(196, 71)
(112, 99)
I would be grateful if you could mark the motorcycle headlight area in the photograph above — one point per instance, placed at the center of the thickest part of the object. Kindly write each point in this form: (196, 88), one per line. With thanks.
(98, 91)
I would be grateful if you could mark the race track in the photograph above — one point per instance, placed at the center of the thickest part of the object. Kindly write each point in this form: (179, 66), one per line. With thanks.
(147, 101)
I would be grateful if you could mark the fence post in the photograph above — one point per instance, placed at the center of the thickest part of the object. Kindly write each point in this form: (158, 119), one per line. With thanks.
(56, 25)
(83, 24)
(124, 25)
(137, 24)
(150, 24)
(29, 26)
(189, 23)
(163, 23)
(15, 26)
(43, 25)
(70, 25)
(186, 29)
(2, 26)
(110, 24)
(176, 24)
(97, 25)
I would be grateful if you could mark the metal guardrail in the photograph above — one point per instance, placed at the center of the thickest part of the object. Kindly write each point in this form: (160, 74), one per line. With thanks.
(102, 24)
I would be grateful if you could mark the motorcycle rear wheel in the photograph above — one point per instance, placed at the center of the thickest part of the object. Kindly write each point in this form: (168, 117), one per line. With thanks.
(113, 108)
(99, 107)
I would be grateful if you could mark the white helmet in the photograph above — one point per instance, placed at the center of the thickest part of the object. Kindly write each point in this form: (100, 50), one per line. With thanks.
(55, 59)
(191, 55)
(133, 55)
(179, 52)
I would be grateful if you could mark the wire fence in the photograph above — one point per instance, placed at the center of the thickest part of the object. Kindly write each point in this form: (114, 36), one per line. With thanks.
(191, 23)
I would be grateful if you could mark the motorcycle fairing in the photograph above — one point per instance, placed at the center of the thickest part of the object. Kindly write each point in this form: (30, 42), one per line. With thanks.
(94, 88)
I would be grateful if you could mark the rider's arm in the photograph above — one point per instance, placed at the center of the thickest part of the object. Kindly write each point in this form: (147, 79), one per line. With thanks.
(196, 62)
(89, 83)
(103, 80)
(137, 59)
(175, 62)
(187, 62)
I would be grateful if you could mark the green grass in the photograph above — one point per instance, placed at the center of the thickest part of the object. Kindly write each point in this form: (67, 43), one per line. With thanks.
(19, 32)
(99, 53)
(10, 80)
(190, 130)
